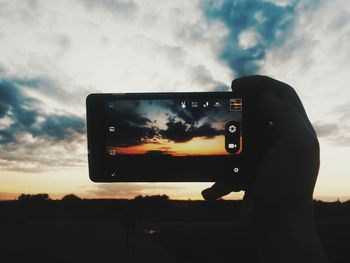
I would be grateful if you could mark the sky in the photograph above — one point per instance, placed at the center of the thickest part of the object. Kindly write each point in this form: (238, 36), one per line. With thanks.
(54, 53)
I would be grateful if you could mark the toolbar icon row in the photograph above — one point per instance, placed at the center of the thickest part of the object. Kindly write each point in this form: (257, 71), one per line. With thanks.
(196, 104)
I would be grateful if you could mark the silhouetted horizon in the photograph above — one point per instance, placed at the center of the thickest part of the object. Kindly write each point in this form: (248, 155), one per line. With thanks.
(72, 196)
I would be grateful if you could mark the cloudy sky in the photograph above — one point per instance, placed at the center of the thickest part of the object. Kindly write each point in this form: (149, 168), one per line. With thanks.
(54, 53)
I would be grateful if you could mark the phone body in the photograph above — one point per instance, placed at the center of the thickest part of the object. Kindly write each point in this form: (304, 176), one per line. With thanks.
(167, 137)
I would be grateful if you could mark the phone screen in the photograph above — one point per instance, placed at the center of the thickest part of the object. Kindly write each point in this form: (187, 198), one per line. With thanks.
(166, 137)
(174, 127)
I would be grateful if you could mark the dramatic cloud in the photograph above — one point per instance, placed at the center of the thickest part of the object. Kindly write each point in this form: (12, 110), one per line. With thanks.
(28, 117)
(254, 28)
(178, 131)
(149, 121)
(190, 116)
(133, 128)
(27, 130)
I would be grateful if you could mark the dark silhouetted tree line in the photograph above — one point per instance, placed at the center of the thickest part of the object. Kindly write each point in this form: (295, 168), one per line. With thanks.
(33, 198)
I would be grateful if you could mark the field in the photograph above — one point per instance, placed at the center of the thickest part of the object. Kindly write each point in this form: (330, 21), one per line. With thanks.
(159, 230)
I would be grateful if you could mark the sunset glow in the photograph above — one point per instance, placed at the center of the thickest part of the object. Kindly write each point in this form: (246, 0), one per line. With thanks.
(197, 146)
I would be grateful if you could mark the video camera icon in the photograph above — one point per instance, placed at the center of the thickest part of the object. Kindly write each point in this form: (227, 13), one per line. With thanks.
(232, 146)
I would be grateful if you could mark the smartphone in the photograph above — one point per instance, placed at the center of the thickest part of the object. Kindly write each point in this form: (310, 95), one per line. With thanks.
(166, 137)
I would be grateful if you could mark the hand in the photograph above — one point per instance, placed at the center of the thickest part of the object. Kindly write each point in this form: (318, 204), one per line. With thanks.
(280, 197)
(288, 171)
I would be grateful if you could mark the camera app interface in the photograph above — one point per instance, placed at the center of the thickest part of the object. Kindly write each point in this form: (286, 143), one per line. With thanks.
(179, 127)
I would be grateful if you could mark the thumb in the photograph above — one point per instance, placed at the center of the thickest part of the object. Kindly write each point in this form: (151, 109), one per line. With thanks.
(219, 190)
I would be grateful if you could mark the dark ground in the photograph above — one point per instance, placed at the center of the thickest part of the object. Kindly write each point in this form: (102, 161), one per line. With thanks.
(165, 231)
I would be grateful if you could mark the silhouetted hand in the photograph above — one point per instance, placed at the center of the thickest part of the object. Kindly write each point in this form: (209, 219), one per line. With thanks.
(278, 203)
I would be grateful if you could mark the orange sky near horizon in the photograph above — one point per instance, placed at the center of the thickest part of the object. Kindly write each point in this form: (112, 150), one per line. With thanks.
(196, 146)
